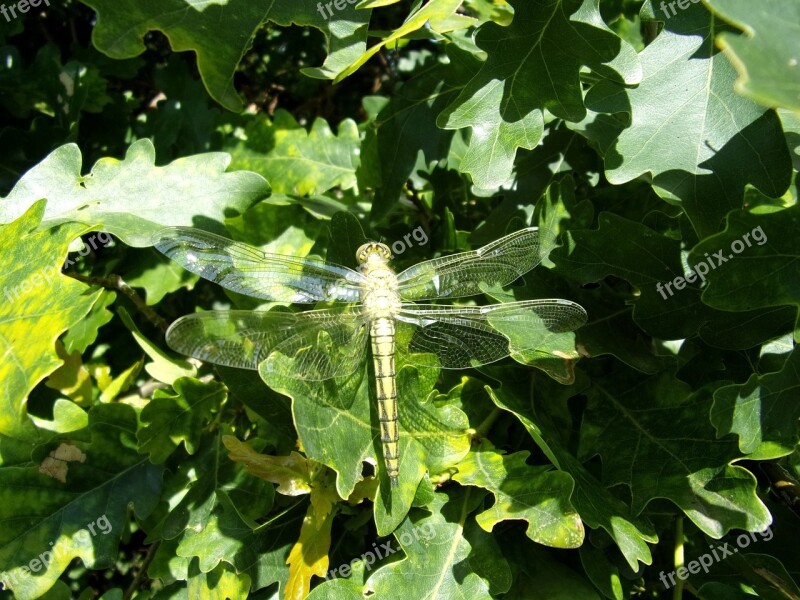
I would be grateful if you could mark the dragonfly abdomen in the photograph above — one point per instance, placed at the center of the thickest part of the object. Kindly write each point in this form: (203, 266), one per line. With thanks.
(383, 347)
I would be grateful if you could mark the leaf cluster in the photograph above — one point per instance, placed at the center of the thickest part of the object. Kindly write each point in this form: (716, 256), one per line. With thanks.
(657, 146)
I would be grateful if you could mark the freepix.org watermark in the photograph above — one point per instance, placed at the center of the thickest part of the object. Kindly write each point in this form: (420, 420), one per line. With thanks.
(46, 275)
(329, 6)
(10, 578)
(682, 4)
(704, 267)
(23, 6)
(383, 550)
(716, 555)
(418, 234)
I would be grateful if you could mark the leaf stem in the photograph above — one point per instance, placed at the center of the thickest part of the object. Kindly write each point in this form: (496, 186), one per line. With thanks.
(482, 430)
(115, 282)
(142, 573)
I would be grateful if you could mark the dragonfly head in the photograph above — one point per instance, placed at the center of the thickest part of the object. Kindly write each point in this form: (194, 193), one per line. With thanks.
(373, 251)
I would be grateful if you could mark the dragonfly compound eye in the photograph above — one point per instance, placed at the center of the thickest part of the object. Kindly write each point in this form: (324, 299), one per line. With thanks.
(364, 252)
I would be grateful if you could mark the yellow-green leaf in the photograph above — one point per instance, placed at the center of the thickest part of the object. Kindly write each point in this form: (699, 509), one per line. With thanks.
(39, 304)
(309, 556)
(290, 473)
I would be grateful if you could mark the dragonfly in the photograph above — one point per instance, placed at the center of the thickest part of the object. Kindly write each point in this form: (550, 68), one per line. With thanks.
(377, 304)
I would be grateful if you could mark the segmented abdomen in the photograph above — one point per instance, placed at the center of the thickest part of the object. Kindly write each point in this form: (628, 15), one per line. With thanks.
(383, 345)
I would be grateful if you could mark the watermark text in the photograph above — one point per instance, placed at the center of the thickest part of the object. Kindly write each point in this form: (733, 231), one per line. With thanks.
(11, 578)
(418, 235)
(326, 9)
(47, 274)
(23, 6)
(682, 4)
(704, 267)
(381, 551)
(720, 553)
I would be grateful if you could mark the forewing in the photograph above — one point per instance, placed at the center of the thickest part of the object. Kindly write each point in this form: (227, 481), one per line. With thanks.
(471, 336)
(459, 275)
(247, 270)
(320, 343)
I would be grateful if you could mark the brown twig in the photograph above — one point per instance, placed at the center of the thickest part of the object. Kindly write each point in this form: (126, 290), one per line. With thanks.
(142, 573)
(115, 282)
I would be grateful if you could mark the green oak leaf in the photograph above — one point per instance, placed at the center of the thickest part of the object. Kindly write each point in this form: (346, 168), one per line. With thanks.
(38, 305)
(296, 161)
(220, 33)
(201, 484)
(602, 572)
(597, 507)
(180, 416)
(260, 551)
(128, 197)
(337, 422)
(537, 494)
(166, 564)
(221, 583)
(121, 383)
(182, 119)
(72, 378)
(164, 368)
(557, 208)
(67, 417)
(316, 407)
(532, 65)
(82, 517)
(337, 589)
(649, 260)
(791, 128)
(544, 573)
(48, 86)
(269, 411)
(490, 10)
(755, 261)
(404, 138)
(763, 412)
(554, 352)
(82, 335)
(438, 565)
(767, 54)
(763, 575)
(287, 230)
(610, 329)
(654, 436)
(490, 563)
(345, 236)
(434, 14)
(685, 125)
(157, 276)
(771, 577)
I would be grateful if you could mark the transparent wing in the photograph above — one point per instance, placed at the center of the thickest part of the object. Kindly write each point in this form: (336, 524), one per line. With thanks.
(470, 336)
(321, 343)
(459, 275)
(248, 270)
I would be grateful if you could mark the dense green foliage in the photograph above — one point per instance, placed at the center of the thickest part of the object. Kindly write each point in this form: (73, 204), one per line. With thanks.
(657, 145)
